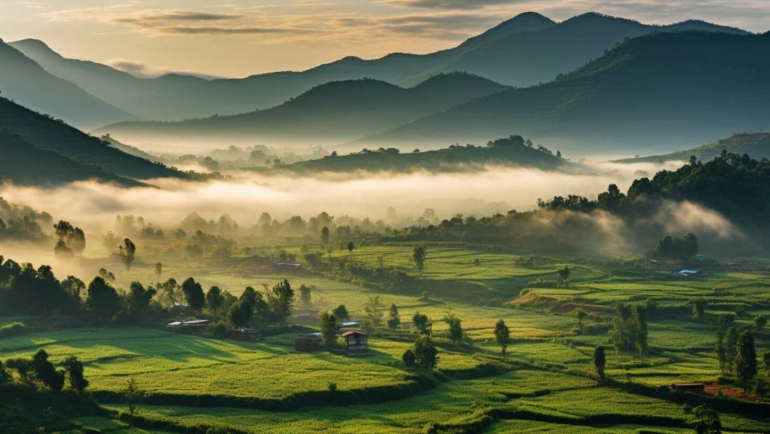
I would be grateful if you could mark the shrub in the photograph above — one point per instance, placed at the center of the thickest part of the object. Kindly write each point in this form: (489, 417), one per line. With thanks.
(409, 358)
(12, 329)
(219, 330)
(332, 387)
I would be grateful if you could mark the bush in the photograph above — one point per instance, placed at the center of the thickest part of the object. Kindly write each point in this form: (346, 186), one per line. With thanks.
(332, 387)
(12, 329)
(409, 358)
(219, 330)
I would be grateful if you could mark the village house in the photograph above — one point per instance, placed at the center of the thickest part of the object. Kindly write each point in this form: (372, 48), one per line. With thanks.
(308, 342)
(356, 341)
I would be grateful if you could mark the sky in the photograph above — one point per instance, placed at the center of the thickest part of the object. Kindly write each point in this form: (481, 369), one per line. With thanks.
(238, 38)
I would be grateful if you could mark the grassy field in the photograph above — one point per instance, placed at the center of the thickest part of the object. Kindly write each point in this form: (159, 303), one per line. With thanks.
(545, 386)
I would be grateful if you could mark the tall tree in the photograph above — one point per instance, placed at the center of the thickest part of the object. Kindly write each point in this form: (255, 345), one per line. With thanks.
(721, 352)
(330, 325)
(305, 295)
(426, 354)
(707, 421)
(240, 313)
(158, 270)
(341, 313)
(640, 329)
(325, 236)
(455, 327)
(698, 309)
(394, 318)
(745, 360)
(46, 373)
(102, 299)
(4, 375)
(127, 253)
(419, 256)
(580, 314)
(731, 347)
(374, 309)
(600, 361)
(138, 300)
(422, 324)
(760, 321)
(74, 369)
(193, 294)
(351, 246)
(214, 298)
(280, 299)
(502, 336)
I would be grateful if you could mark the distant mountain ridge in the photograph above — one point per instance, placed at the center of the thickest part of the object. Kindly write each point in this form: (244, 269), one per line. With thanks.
(756, 145)
(664, 90)
(331, 113)
(523, 51)
(23, 80)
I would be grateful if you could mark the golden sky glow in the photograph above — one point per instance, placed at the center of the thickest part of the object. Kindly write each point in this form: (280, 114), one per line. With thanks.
(239, 38)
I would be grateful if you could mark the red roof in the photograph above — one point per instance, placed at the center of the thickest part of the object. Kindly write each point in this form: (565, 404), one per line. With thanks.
(353, 333)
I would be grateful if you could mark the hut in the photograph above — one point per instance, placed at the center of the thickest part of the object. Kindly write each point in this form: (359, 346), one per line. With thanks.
(308, 342)
(356, 341)
(246, 335)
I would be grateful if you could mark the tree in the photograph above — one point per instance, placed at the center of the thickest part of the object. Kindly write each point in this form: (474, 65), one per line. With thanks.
(280, 300)
(330, 325)
(127, 253)
(426, 354)
(707, 421)
(760, 321)
(193, 294)
(721, 353)
(564, 273)
(409, 358)
(62, 251)
(215, 298)
(766, 359)
(351, 246)
(102, 299)
(325, 236)
(640, 330)
(305, 295)
(106, 275)
(422, 324)
(698, 309)
(46, 373)
(502, 336)
(341, 313)
(731, 347)
(745, 364)
(133, 394)
(455, 327)
(158, 270)
(240, 313)
(580, 314)
(4, 375)
(373, 309)
(419, 255)
(74, 369)
(394, 318)
(600, 361)
(138, 300)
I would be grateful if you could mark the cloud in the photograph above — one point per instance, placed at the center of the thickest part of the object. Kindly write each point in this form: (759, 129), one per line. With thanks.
(452, 4)
(33, 5)
(170, 16)
(142, 70)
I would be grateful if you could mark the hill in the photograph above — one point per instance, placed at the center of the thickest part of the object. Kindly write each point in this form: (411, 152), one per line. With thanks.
(45, 133)
(24, 81)
(757, 145)
(659, 91)
(523, 51)
(512, 152)
(25, 164)
(333, 113)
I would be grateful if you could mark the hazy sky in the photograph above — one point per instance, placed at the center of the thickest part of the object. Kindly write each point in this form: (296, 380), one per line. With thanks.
(242, 37)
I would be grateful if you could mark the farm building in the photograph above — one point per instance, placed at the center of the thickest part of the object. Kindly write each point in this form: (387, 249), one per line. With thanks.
(350, 324)
(308, 342)
(356, 341)
(246, 335)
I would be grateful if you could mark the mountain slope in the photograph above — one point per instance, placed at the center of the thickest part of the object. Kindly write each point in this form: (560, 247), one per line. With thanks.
(331, 113)
(46, 133)
(23, 80)
(525, 50)
(25, 164)
(658, 91)
(115, 87)
(756, 145)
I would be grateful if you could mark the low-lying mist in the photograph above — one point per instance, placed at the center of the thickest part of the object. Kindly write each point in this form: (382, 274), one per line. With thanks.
(94, 206)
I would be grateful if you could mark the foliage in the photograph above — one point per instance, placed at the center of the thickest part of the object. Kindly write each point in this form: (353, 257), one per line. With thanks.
(215, 298)
(425, 353)
(280, 300)
(74, 369)
(394, 318)
(305, 295)
(455, 327)
(46, 373)
(341, 313)
(745, 364)
(127, 253)
(600, 361)
(706, 421)
(409, 358)
(102, 300)
(419, 255)
(422, 324)
(193, 294)
(629, 328)
(330, 326)
(240, 313)
(374, 309)
(502, 336)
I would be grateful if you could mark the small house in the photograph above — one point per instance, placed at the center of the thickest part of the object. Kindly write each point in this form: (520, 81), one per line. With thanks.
(356, 341)
(308, 342)
(350, 324)
(197, 323)
(698, 273)
(246, 335)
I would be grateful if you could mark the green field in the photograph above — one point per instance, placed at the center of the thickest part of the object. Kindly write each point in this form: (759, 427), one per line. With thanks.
(546, 385)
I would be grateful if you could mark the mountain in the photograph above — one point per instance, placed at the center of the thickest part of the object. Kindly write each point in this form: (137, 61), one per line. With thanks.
(46, 133)
(660, 91)
(23, 80)
(756, 145)
(332, 113)
(26, 164)
(523, 51)
(511, 152)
